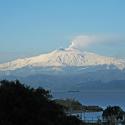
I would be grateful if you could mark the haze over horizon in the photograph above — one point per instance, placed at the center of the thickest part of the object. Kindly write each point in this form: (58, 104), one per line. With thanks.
(29, 28)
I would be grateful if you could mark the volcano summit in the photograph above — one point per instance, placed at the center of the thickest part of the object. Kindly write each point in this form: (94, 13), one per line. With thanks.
(68, 67)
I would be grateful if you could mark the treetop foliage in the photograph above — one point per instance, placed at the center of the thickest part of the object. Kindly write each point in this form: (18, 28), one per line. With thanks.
(23, 105)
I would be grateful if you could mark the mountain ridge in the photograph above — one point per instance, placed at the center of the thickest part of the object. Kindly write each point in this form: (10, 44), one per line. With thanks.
(67, 69)
(64, 58)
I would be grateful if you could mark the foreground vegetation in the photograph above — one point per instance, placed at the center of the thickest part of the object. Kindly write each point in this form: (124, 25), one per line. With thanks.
(22, 105)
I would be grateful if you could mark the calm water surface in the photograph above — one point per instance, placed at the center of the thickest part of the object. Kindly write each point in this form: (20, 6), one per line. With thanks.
(101, 98)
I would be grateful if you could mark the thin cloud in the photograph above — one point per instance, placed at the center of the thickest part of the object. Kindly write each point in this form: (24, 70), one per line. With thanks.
(83, 41)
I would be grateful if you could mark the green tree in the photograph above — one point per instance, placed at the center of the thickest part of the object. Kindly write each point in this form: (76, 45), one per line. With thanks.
(70, 104)
(113, 114)
(23, 105)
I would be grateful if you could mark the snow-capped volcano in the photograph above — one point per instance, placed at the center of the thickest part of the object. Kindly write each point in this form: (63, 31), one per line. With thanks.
(64, 58)
(67, 69)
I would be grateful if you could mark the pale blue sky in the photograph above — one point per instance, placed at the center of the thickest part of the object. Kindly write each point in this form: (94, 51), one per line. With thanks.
(31, 27)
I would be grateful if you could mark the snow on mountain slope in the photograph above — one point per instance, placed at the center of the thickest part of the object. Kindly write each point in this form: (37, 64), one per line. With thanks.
(64, 58)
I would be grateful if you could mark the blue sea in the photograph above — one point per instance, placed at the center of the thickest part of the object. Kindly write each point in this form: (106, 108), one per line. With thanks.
(99, 98)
